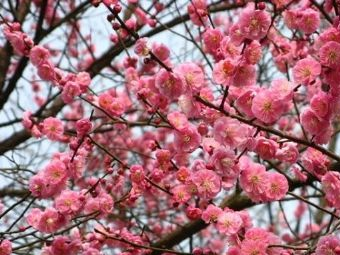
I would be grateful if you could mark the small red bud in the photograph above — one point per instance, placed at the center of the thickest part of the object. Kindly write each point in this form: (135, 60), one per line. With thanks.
(94, 193)
(261, 6)
(115, 25)
(158, 121)
(147, 60)
(22, 228)
(96, 3)
(197, 251)
(109, 170)
(202, 129)
(117, 8)
(175, 204)
(110, 17)
(209, 166)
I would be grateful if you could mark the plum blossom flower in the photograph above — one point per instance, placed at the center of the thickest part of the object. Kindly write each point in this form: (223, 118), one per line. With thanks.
(103, 203)
(229, 49)
(312, 123)
(229, 223)
(245, 101)
(20, 42)
(114, 105)
(198, 11)
(212, 38)
(224, 71)
(253, 53)
(229, 132)
(69, 202)
(39, 55)
(330, 55)
(254, 24)
(283, 89)
(208, 183)
(223, 159)
(38, 186)
(48, 221)
(70, 90)
(26, 120)
(211, 213)
(141, 47)
(83, 126)
(178, 120)
(137, 173)
(169, 84)
(291, 18)
(83, 79)
(181, 194)
(63, 245)
(253, 180)
(280, 3)
(46, 71)
(182, 174)
(193, 213)
(306, 70)
(5, 247)
(276, 186)
(320, 104)
(187, 139)
(250, 247)
(53, 128)
(288, 153)
(161, 51)
(266, 148)
(315, 162)
(55, 172)
(188, 106)
(308, 20)
(328, 35)
(267, 106)
(193, 76)
(236, 35)
(245, 75)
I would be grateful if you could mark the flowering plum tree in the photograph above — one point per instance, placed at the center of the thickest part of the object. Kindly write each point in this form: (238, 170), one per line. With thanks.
(169, 127)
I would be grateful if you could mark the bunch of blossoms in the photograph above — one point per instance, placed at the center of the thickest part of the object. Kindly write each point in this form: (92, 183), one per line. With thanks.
(235, 70)
(227, 221)
(71, 85)
(261, 185)
(64, 244)
(328, 244)
(236, 67)
(198, 12)
(257, 241)
(315, 162)
(52, 181)
(320, 67)
(180, 84)
(303, 18)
